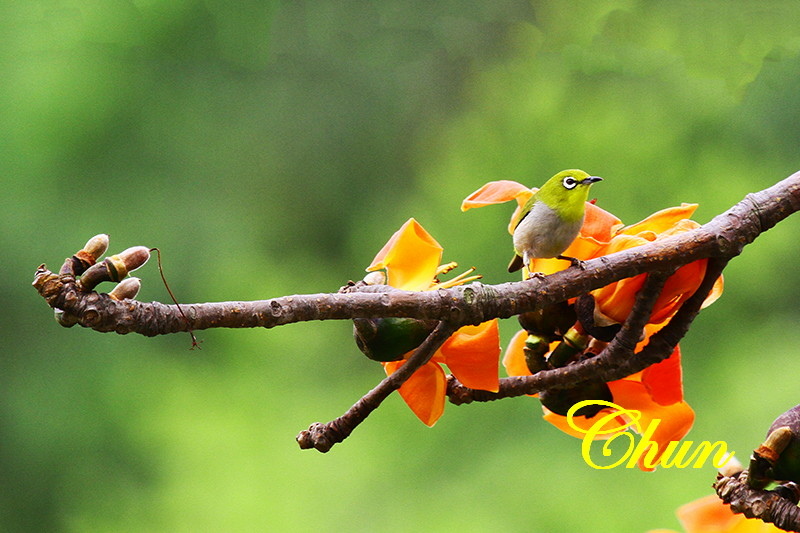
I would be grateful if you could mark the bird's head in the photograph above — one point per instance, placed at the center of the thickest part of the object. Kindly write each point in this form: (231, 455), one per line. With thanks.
(567, 192)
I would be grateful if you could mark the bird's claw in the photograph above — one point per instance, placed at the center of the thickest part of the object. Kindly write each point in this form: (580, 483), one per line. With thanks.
(573, 261)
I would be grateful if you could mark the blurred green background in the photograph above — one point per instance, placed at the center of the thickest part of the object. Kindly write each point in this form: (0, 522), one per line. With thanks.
(271, 148)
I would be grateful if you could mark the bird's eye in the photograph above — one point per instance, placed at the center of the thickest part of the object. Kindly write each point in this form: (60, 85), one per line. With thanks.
(569, 183)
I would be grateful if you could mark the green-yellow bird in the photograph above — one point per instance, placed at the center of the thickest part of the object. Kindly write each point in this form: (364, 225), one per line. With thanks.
(551, 219)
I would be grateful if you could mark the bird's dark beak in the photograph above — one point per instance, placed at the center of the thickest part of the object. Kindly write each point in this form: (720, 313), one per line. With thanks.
(591, 179)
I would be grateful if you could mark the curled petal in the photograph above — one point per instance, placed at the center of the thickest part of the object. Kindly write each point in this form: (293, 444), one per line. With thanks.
(410, 257)
(715, 293)
(472, 355)
(424, 391)
(514, 358)
(497, 192)
(661, 221)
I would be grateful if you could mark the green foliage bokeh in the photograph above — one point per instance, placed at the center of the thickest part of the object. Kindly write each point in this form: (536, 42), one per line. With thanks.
(271, 148)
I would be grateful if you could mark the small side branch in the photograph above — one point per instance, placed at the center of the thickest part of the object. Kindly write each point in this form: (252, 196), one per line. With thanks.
(324, 436)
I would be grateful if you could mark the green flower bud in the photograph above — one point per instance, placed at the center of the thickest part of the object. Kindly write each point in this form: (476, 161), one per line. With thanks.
(388, 339)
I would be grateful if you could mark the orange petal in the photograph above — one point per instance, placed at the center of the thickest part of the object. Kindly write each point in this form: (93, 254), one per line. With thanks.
(675, 420)
(615, 300)
(472, 355)
(496, 192)
(664, 380)
(514, 358)
(715, 293)
(424, 391)
(410, 257)
(584, 423)
(599, 224)
(708, 514)
(661, 221)
(678, 288)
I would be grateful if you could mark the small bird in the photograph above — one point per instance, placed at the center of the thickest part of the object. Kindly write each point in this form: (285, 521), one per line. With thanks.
(551, 219)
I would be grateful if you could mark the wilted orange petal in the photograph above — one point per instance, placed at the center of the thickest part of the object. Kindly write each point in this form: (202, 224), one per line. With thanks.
(496, 192)
(675, 420)
(472, 354)
(709, 515)
(424, 391)
(664, 380)
(410, 258)
(661, 221)
(514, 358)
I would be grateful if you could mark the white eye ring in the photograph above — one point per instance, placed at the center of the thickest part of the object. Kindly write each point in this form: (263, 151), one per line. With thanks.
(569, 183)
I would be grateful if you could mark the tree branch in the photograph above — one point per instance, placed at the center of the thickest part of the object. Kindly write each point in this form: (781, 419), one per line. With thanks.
(778, 506)
(617, 360)
(719, 240)
(724, 236)
(324, 436)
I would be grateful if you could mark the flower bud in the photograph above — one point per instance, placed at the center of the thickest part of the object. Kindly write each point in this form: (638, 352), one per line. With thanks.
(573, 344)
(115, 267)
(778, 459)
(560, 401)
(388, 339)
(90, 253)
(127, 261)
(536, 347)
(126, 289)
(96, 246)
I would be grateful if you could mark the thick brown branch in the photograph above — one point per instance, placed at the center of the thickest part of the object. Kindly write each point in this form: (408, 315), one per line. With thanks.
(724, 236)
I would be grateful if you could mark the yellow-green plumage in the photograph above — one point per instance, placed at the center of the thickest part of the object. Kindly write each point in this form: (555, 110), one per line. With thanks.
(551, 219)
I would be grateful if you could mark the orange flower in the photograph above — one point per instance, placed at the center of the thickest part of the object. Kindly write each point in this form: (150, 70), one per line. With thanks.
(656, 392)
(411, 260)
(602, 234)
(710, 515)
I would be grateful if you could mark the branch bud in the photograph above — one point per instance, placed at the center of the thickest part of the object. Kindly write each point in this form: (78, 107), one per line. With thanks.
(115, 267)
(63, 318)
(126, 289)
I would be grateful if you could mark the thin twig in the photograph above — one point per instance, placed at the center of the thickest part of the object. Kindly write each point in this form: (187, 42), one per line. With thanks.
(324, 436)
